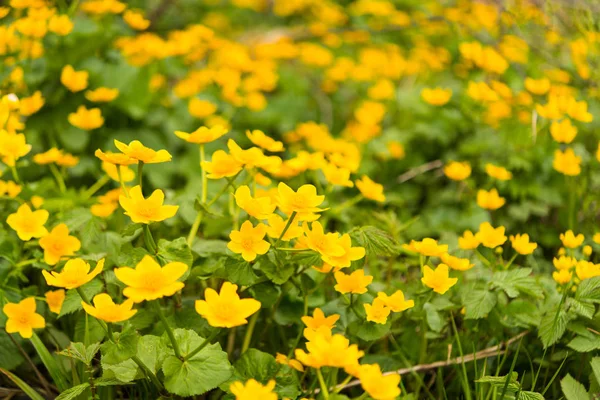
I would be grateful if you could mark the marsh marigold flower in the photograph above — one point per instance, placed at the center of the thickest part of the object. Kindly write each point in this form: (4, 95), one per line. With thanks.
(58, 244)
(55, 299)
(22, 317)
(570, 240)
(74, 274)
(225, 309)
(438, 279)
(249, 158)
(12, 147)
(396, 150)
(146, 211)
(105, 309)
(73, 80)
(277, 225)
(468, 241)
(28, 224)
(567, 162)
(563, 131)
(127, 174)
(32, 104)
(86, 119)
(522, 245)
(489, 236)
(319, 319)
(564, 262)
(586, 269)
(490, 200)
(562, 276)
(497, 172)
(370, 189)
(252, 390)
(305, 202)
(356, 282)
(284, 360)
(378, 311)
(137, 151)
(327, 350)
(350, 253)
(114, 158)
(378, 385)
(60, 24)
(136, 20)
(222, 165)
(249, 241)
(201, 108)
(337, 175)
(149, 281)
(436, 96)
(457, 171)
(537, 86)
(202, 135)
(261, 140)
(258, 207)
(456, 263)
(428, 247)
(102, 95)
(396, 301)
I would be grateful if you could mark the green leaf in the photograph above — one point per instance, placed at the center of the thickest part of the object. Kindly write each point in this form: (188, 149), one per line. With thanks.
(478, 303)
(375, 241)
(434, 320)
(553, 326)
(125, 371)
(176, 250)
(79, 351)
(572, 389)
(589, 290)
(369, 331)
(130, 256)
(207, 248)
(277, 274)
(595, 364)
(499, 380)
(526, 395)
(72, 301)
(584, 344)
(237, 271)
(28, 390)
(10, 357)
(73, 392)
(124, 347)
(151, 351)
(517, 281)
(50, 363)
(579, 307)
(203, 372)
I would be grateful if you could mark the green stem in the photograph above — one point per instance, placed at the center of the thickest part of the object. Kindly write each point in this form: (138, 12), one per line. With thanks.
(465, 382)
(59, 178)
(482, 258)
(203, 345)
(324, 388)
(149, 240)
(125, 192)
(168, 330)
(50, 363)
(204, 179)
(249, 331)
(513, 258)
(140, 169)
(348, 203)
(96, 186)
(15, 175)
(287, 226)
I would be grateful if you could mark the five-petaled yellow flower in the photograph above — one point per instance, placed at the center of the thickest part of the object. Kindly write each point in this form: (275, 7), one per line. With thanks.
(356, 282)
(370, 189)
(249, 241)
(22, 317)
(105, 309)
(261, 140)
(570, 240)
(521, 244)
(438, 279)
(490, 200)
(222, 165)
(489, 236)
(225, 309)
(73, 80)
(305, 202)
(55, 299)
(396, 301)
(58, 244)
(28, 224)
(378, 311)
(203, 134)
(257, 207)
(146, 211)
(137, 151)
(75, 273)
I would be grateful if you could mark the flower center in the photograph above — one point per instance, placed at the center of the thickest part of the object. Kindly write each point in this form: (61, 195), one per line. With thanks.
(247, 244)
(152, 280)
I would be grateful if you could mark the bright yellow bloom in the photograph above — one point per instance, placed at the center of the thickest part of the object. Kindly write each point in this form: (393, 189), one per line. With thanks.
(378, 311)
(28, 224)
(58, 244)
(75, 273)
(356, 282)
(438, 279)
(86, 119)
(258, 207)
(564, 262)
(428, 247)
(60, 24)
(127, 174)
(567, 162)
(277, 225)
(587, 250)
(437, 96)
(371, 190)
(570, 240)
(490, 200)
(537, 86)
(261, 140)
(47, 157)
(253, 390)
(382, 90)
(10, 189)
(378, 385)
(500, 173)
(396, 150)
(115, 158)
(337, 176)
(225, 309)
(305, 202)
(149, 281)
(146, 211)
(350, 253)
(283, 359)
(137, 151)
(396, 301)
(456, 263)
(249, 158)
(222, 165)
(102, 95)
(67, 160)
(587, 269)
(202, 134)
(319, 319)
(249, 241)
(468, 241)
(323, 243)
(73, 80)
(596, 238)
(12, 147)
(489, 236)
(136, 20)
(457, 171)
(55, 299)
(105, 309)
(562, 276)
(32, 104)
(327, 350)
(201, 108)
(22, 317)
(522, 245)
(564, 131)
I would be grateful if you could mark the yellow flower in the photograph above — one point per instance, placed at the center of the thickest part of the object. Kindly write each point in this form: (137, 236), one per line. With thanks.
(319, 319)
(55, 299)
(283, 359)
(73, 80)
(438, 279)
(377, 312)
(371, 190)
(327, 350)
(428, 247)
(75, 273)
(277, 225)
(562, 276)
(522, 245)
(28, 224)
(249, 158)
(60, 24)
(396, 150)
(261, 140)
(105, 309)
(127, 174)
(47, 157)
(201, 108)
(225, 309)
(323, 243)
(258, 207)
(58, 244)
(115, 158)
(570, 240)
(564, 131)
(458, 264)
(350, 253)
(305, 202)
(67, 160)
(248, 241)
(102, 95)
(567, 162)
(356, 282)
(253, 390)
(383, 89)
(468, 241)
(10, 188)
(497, 172)
(148, 281)
(221, 165)
(202, 134)
(137, 151)
(437, 96)
(457, 171)
(136, 20)
(489, 236)
(86, 119)
(587, 250)
(32, 104)
(337, 176)
(12, 147)
(396, 301)
(587, 269)
(564, 262)
(378, 385)
(537, 86)
(22, 317)
(490, 200)
(146, 211)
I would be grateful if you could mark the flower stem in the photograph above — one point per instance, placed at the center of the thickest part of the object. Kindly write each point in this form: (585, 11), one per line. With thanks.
(123, 187)
(249, 331)
(15, 174)
(204, 179)
(324, 389)
(96, 186)
(149, 240)
(203, 345)
(511, 261)
(287, 226)
(140, 169)
(168, 330)
(59, 178)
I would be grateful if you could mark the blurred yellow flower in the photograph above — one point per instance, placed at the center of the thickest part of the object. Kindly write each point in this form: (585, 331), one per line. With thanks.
(456, 263)
(201, 108)
(396, 301)
(570, 240)
(137, 151)
(489, 236)
(497, 172)
(490, 200)
(203, 134)
(370, 189)
(55, 299)
(563, 131)
(378, 385)
(136, 20)
(102, 95)
(86, 119)
(521, 244)
(457, 171)
(32, 104)
(436, 96)
(263, 141)
(252, 390)
(378, 311)
(73, 80)
(222, 165)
